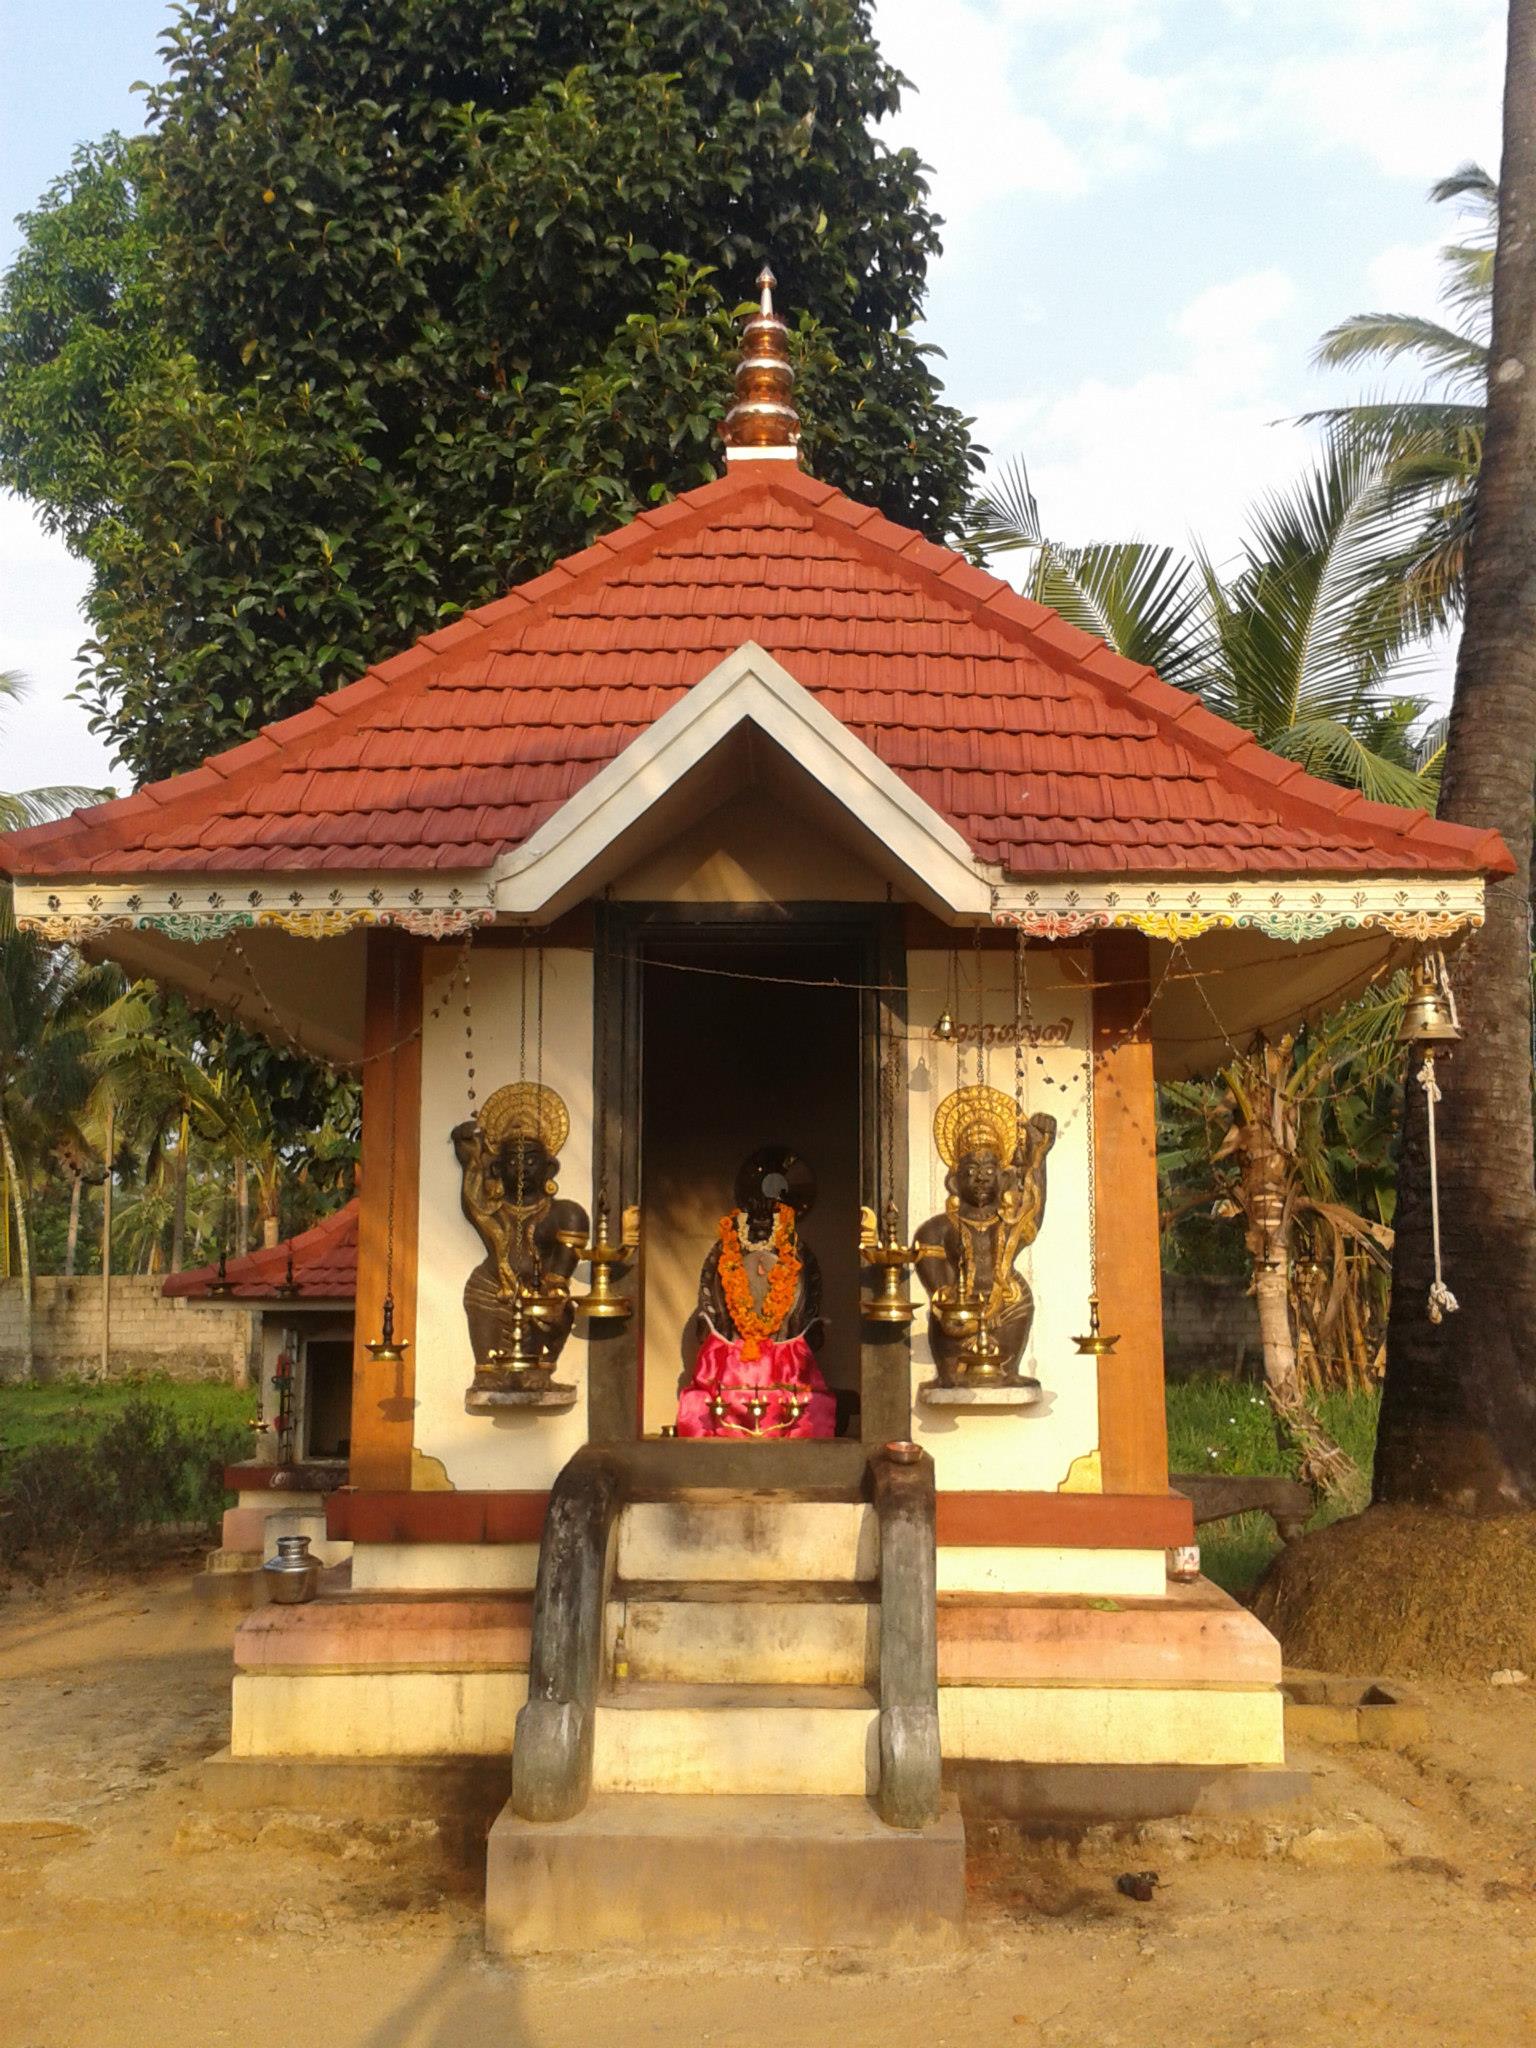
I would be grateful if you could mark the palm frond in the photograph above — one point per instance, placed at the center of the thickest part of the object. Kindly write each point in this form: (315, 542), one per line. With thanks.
(1395, 337)
(1327, 747)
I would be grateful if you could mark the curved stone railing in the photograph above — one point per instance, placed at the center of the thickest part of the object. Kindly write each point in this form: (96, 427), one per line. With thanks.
(552, 1745)
(909, 1675)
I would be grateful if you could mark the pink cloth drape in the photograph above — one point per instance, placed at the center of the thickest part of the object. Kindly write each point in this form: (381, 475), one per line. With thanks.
(781, 1378)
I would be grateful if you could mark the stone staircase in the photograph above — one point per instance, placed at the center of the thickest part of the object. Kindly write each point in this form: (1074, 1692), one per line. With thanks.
(751, 1640)
(736, 1748)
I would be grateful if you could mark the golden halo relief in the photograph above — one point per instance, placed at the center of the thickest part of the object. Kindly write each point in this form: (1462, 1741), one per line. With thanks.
(524, 1109)
(976, 1119)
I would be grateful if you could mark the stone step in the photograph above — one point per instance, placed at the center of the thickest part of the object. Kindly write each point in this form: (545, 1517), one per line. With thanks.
(756, 1540)
(737, 1739)
(736, 1632)
(696, 1874)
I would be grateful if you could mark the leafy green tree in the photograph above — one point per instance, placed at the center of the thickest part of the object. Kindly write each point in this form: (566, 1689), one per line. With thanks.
(401, 299)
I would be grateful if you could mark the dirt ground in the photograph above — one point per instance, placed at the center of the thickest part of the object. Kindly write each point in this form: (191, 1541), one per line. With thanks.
(1399, 1907)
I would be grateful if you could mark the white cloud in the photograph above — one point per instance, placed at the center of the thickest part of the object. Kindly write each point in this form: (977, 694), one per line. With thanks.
(44, 739)
(1407, 278)
(1058, 97)
(1171, 452)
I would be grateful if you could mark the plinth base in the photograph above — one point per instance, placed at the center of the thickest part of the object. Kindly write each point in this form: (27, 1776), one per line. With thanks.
(551, 1400)
(980, 1394)
(650, 1871)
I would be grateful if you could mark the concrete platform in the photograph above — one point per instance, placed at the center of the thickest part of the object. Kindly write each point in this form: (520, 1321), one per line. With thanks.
(661, 1873)
(1057, 1798)
(468, 1789)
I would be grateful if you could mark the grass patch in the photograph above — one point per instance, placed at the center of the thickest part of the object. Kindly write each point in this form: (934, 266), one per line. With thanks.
(70, 1411)
(1226, 1426)
(86, 1470)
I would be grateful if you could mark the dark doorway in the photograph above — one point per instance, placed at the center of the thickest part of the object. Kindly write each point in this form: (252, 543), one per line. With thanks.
(747, 1042)
(328, 1397)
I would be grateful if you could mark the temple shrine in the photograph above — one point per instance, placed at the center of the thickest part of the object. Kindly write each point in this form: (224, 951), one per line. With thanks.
(759, 939)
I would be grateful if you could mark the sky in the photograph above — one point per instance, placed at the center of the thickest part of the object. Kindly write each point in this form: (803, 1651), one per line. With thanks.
(1153, 209)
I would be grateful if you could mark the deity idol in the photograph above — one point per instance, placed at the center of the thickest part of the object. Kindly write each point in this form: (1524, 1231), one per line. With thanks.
(966, 1257)
(516, 1298)
(759, 1314)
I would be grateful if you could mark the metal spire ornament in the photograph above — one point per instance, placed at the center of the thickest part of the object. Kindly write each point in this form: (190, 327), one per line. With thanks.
(1430, 1021)
(386, 1348)
(762, 422)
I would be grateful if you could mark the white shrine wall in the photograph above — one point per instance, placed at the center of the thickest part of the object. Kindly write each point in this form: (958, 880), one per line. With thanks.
(1051, 1445)
(514, 1452)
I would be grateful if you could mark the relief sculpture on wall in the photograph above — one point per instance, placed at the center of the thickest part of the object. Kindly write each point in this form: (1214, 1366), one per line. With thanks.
(517, 1300)
(980, 1305)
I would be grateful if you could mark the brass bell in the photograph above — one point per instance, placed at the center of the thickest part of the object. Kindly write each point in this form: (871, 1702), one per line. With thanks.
(1429, 1016)
(944, 1030)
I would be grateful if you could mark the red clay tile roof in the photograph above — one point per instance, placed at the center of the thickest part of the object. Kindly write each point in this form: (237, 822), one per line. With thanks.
(324, 1266)
(1050, 753)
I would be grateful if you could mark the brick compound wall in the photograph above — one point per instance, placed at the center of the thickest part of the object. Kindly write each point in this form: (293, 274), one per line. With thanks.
(184, 1340)
(1209, 1326)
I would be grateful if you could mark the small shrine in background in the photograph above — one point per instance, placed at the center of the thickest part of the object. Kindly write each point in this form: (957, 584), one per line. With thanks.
(759, 939)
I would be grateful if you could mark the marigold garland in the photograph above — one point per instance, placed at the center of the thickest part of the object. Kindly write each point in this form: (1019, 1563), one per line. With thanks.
(755, 1326)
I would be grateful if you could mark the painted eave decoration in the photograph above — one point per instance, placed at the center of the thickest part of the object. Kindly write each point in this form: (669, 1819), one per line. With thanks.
(1083, 792)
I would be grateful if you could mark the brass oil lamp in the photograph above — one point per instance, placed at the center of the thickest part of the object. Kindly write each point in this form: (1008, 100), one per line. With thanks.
(603, 1302)
(1094, 1343)
(891, 1257)
(386, 1348)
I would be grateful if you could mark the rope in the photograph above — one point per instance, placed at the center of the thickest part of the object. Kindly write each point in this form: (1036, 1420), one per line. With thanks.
(1442, 1302)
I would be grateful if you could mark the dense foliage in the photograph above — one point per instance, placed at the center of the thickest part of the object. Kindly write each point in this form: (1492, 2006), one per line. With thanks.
(401, 299)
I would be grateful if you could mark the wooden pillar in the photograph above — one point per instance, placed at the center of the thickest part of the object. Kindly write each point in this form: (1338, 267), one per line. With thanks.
(384, 1395)
(1133, 1426)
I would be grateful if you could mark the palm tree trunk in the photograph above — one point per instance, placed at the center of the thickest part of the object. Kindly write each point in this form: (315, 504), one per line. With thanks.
(24, 1247)
(242, 1206)
(179, 1197)
(72, 1235)
(1459, 1395)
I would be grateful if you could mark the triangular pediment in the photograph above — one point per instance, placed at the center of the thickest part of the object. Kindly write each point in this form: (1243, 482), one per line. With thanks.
(748, 720)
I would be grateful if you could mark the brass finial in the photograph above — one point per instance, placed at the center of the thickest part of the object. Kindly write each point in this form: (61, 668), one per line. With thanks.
(763, 423)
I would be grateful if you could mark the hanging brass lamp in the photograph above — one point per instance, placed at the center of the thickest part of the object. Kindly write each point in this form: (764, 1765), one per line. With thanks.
(1094, 1344)
(386, 1349)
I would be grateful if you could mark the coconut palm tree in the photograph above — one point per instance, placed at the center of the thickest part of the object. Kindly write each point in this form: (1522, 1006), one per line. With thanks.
(1282, 641)
(1432, 440)
(49, 998)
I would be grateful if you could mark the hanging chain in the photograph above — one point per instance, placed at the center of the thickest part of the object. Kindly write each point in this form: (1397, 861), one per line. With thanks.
(978, 961)
(602, 969)
(469, 1039)
(394, 1147)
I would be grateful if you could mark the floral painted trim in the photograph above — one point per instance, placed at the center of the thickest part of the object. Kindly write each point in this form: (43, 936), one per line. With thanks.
(1295, 911)
(75, 914)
